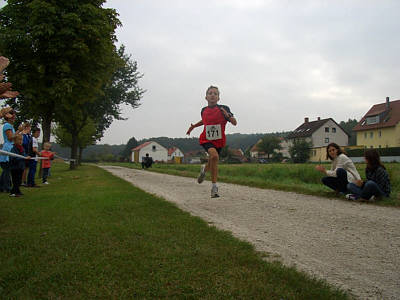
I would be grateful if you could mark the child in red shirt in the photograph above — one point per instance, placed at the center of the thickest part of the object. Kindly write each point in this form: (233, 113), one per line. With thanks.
(46, 163)
(214, 118)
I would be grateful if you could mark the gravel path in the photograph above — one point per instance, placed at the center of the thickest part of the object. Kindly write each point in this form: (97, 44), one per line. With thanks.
(352, 245)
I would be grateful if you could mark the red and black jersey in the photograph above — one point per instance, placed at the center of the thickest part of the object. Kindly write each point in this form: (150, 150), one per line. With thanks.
(214, 123)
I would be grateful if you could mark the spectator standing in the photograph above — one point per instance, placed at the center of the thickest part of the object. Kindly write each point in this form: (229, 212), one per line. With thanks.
(8, 114)
(26, 143)
(33, 152)
(17, 166)
(46, 163)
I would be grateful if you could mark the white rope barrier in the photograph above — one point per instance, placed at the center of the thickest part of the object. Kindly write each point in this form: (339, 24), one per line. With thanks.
(2, 152)
(64, 159)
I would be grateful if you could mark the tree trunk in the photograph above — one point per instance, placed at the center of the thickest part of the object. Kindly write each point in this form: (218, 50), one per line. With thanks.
(80, 155)
(46, 128)
(74, 151)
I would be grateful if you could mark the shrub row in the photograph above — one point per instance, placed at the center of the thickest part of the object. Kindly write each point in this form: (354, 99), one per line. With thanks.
(393, 151)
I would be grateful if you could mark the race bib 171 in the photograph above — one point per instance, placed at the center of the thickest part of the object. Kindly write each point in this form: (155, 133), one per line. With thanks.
(213, 132)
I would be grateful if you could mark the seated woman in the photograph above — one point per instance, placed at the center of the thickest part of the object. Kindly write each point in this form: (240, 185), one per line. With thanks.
(377, 183)
(342, 170)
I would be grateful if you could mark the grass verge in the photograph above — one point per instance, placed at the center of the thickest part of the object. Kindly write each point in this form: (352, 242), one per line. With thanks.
(92, 235)
(300, 178)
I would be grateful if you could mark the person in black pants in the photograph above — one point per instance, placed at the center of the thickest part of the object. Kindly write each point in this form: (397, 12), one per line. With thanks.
(17, 166)
(147, 161)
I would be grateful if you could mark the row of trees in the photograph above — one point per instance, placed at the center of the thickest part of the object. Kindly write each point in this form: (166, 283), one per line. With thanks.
(67, 68)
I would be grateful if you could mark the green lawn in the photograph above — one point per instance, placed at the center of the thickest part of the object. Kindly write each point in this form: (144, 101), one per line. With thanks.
(91, 235)
(301, 178)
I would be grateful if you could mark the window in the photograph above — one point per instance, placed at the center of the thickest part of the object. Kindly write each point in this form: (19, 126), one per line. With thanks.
(372, 120)
(326, 129)
(153, 148)
(365, 135)
(326, 140)
(371, 134)
(333, 129)
(380, 133)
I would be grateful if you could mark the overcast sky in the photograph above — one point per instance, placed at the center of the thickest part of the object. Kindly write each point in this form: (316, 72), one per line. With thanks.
(275, 62)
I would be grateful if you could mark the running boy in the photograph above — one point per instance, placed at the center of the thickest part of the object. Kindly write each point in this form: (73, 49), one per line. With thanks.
(214, 118)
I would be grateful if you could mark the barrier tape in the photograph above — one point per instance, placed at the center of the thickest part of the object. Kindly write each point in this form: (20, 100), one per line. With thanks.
(2, 152)
(64, 159)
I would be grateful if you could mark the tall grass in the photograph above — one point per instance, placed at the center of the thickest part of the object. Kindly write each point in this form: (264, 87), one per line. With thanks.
(301, 178)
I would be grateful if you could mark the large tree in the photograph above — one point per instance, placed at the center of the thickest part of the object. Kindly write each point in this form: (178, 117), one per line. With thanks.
(86, 137)
(122, 88)
(132, 143)
(300, 151)
(62, 54)
(269, 144)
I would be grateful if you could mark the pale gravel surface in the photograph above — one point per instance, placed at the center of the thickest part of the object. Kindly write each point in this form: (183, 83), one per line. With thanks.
(353, 246)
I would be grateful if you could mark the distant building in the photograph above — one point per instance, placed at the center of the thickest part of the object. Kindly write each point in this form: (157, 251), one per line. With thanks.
(194, 157)
(380, 126)
(175, 155)
(255, 153)
(154, 149)
(238, 155)
(320, 133)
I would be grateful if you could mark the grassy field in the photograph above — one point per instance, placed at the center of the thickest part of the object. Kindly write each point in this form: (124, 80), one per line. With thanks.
(92, 235)
(301, 178)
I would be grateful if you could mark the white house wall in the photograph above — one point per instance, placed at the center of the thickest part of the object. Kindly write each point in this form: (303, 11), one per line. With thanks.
(160, 153)
(177, 153)
(340, 137)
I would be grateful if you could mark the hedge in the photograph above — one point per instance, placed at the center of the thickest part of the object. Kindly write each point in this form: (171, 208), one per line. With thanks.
(393, 151)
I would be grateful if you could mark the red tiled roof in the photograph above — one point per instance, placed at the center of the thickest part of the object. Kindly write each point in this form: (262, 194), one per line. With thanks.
(141, 146)
(308, 128)
(171, 150)
(392, 119)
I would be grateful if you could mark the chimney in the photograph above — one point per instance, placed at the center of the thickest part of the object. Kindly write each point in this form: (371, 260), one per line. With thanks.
(318, 119)
(306, 120)
(387, 103)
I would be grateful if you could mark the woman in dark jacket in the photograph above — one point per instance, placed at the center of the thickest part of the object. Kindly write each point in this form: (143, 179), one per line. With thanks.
(377, 183)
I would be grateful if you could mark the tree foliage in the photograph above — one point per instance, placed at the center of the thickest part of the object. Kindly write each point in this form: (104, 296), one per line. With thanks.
(132, 143)
(122, 88)
(348, 127)
(62, 55)
(269, 144)
(300, 151)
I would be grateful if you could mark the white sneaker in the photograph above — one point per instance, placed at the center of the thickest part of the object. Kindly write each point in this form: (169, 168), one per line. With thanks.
(351, 197)
(45, 182)
(372, 199)
(214, 192)
(202, 174)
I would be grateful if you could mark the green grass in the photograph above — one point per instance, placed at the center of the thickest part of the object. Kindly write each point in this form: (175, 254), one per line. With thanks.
(92, 235)
(300, 178)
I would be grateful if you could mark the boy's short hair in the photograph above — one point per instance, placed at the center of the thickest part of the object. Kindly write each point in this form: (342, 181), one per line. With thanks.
(35, 129)
(26, 125)
(47, 144)
(212, 87)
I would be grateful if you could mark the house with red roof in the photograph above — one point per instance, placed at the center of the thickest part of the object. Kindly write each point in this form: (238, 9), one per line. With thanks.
(154, 149)
(175, 155)
(380, 126)
(320, 133)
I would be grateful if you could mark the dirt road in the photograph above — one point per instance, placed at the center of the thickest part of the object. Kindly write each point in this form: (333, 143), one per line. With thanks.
(353, 246)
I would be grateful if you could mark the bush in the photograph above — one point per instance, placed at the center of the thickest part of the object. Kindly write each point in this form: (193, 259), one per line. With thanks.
(392, 151)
